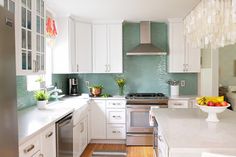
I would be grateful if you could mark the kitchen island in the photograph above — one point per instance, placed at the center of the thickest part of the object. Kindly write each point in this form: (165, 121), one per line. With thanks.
(186, 133)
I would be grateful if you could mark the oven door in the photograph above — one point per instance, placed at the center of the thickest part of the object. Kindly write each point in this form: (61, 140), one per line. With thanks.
(138, 119)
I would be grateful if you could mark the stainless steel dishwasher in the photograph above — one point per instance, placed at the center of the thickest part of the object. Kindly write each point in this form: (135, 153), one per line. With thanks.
(65, 136)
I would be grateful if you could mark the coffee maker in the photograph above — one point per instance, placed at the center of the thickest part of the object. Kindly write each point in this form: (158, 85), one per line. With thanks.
(73, 86)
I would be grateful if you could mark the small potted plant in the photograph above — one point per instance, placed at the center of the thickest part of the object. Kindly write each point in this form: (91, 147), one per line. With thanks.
(96, 90)
(41, 96)
(121, 83)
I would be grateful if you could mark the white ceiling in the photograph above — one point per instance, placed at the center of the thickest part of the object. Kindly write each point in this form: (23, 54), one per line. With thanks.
(129, 10)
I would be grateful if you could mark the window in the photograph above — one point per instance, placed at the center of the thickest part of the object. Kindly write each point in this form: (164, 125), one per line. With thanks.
(33, 81)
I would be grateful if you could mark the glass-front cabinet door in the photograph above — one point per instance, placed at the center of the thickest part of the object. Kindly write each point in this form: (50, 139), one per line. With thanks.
(30, 35)
(40, 35)
(26, 35)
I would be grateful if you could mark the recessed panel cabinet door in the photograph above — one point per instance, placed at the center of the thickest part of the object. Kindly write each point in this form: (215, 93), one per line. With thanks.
(83, 47)
(100, 48)
(177, 47)
(193, 59)
(115, 54)
(98, 121)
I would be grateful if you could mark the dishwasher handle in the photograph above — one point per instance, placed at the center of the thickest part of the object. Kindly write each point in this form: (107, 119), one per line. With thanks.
(65, 121)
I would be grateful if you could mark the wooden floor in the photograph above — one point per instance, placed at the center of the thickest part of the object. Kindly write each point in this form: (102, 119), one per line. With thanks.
(136, 151)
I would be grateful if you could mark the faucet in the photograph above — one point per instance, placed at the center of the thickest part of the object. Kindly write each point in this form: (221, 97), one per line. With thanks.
(54, 93)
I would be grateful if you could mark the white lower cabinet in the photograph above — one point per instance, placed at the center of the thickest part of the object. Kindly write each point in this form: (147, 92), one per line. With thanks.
(42, 145)
(108, 119)
(182, 103)
(80, 137)
(98, 119)
(162, 145)
(48, 142)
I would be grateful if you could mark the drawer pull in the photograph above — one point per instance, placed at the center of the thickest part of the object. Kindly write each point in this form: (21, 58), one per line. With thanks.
(49, 134)
(41, 155)
(116, 132)
(178, 104)
(117, 117)
(116, 104)
(29, 148)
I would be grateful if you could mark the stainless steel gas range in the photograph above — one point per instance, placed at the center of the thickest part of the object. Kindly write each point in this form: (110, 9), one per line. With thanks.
(139, 131)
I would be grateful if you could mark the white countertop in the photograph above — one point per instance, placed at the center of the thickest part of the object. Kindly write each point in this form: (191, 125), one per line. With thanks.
(32, 120)
(186, 130)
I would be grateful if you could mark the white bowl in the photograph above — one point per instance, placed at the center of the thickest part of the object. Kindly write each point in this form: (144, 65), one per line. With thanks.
(212, 111)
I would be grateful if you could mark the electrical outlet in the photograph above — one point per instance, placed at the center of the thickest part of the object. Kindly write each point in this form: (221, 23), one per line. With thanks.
(87, 83)
(182, 83)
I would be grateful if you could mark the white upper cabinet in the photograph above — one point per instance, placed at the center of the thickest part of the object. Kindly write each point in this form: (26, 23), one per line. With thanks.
(30, 35)
(182, 58)
(64, 49)
(73, 47)
(107, 48)
(83, 47)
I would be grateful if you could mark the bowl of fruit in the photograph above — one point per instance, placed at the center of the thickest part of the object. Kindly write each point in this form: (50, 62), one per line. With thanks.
(212, 106)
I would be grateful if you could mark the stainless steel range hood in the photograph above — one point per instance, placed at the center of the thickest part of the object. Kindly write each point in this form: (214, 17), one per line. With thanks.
(145, 47)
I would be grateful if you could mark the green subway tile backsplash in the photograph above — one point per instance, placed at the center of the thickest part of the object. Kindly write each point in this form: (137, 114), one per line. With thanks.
(26, 98)
(143, 73)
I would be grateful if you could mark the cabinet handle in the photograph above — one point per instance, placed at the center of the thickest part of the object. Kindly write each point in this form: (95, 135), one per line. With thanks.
(178, 104)
(77, 66)
(116, 104)
(105, 67)
(109, 68)
(160, 138)
(49, 134)
(117, 117)
(114, 132)
(29, 148)
(34, 64)
(82, 127)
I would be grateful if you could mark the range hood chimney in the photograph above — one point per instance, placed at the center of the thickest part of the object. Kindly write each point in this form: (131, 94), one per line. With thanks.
(145, 47)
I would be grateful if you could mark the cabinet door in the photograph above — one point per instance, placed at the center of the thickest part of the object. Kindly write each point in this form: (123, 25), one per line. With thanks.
(80, 137)
(193, 59)
(48, 145)
(100, 48)
(115, 54)
(25, 54)
(177, 47)
(64, 48)
(98, 123)
(40, 55)
(83, 47)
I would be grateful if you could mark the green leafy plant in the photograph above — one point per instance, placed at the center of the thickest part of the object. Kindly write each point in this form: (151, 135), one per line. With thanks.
(41, 95)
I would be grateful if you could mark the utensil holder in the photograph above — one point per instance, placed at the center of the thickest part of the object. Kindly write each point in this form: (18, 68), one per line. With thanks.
(174, 90)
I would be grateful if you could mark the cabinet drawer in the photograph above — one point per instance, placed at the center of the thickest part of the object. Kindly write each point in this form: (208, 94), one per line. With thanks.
(30, 147)
(115, 115)
(178, 104)
(116, 131)
(116, 103)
